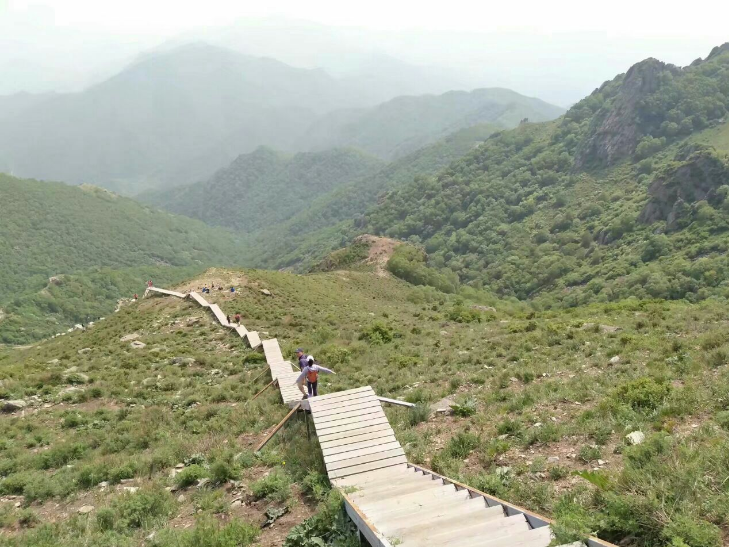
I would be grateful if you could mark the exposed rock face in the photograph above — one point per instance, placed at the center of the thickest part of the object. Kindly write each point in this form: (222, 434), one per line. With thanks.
(697, 177)
(13, 406)
(616, 131)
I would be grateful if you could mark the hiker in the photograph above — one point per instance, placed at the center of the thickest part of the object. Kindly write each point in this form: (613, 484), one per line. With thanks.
(237, 318)
(227, 318)
(135, 297)
(150, 284)
(302, 357)
(311, 373)
(232, 289)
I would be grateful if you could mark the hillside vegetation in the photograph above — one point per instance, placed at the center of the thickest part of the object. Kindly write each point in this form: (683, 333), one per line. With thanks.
(624, 196)
(405, 124)
(97, 246)
(541, 405)
(331, 220)
(264, 188)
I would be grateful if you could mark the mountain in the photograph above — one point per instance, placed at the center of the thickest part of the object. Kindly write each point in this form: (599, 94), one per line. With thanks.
(96, 246)
(623, 196)
(404, 124)
(299, 242)
(172, 117)
(265, 187)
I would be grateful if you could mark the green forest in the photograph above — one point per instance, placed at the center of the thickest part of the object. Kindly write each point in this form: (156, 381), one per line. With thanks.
(559, 214)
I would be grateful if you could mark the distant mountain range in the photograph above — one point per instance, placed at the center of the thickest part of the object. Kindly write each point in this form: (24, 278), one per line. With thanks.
(177, 115)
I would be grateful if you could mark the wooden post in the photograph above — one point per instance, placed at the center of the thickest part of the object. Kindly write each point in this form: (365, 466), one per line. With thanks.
(306, 419)
(277, 428)
(264, 389)
(264, 371)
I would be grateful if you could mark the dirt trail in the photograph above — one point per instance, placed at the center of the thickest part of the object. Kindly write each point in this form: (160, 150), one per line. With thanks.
(381, 249)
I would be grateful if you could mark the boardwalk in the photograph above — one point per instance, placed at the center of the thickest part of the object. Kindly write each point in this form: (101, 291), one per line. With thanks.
(393, 502)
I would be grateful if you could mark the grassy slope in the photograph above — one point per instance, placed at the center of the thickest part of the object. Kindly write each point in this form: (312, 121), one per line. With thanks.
(540, 386)
(82, 234)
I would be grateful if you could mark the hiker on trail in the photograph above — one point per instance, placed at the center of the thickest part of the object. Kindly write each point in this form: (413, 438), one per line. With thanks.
(310, 373)
(150, 284)
(237, 318)
(135, 296)
(232, 289)
(302, 357)
(227, 318)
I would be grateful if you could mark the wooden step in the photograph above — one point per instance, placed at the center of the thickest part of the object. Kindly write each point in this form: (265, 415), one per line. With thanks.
(444, 494)
(403, 513)
(472, 527)
(373, 476)
(400, 488)
(437, 517)
(537, 537)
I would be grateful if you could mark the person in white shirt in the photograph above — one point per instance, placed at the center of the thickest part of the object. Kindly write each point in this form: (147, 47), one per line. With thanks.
(310, 373)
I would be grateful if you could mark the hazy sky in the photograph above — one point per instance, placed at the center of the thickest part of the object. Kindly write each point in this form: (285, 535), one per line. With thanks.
(637, 17)
(558, 50)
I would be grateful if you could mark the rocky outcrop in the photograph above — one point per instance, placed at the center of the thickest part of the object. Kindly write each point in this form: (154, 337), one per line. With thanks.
(696, 175)
(615, 130)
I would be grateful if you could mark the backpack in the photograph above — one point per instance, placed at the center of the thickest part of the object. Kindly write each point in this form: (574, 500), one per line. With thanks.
(312, 375)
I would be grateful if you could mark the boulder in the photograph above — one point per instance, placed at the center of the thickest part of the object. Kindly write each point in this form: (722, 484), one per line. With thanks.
(636, 437)
(183, 361)
(615, 360)
(137, 345)
(84, 351)
(266, 292)
(14, 405)
(85, 509)
(129, 337)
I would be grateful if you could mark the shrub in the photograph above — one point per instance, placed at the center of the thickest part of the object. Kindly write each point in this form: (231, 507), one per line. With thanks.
(465, 408)
(642, 394)
(208, 533)
(419, 413)
(276, 486)
(693, 532)
(221, 472)
(378, 333)
(462, 444)
(143, 509)
(509, 427)
(190, 475)
(589, 453)
(722, 418)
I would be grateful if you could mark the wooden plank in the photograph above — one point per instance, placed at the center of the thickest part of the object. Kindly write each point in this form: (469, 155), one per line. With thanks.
(349, 430)
(275, 429)
(241, 330)
(396, 402)
(219, 315)
(367, 458)
(333, 418)
(537, 537)
(440, 514)
(411, 504)
(358, 439)
(339, 394)
(253, 339)
(356, 446)
(384, 447)
(469, 528)
(165, 291)
(370, 477)
(361, 421)
(368, 403)
(347, 437)
(347, 471)
(357, 398)
(199, 299)
(373, 536)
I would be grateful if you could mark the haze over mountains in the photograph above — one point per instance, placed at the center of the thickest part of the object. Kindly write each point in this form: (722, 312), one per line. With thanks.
(175, 117)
